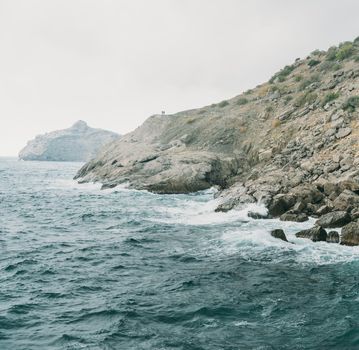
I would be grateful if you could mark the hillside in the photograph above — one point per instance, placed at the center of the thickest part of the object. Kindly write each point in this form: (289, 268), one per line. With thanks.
(78, 143)
(292, 143)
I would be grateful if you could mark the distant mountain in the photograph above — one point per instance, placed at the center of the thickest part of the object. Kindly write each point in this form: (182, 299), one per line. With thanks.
(77, 143)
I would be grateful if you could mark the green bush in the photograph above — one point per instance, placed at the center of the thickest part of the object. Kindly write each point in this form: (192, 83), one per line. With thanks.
(331, 53)
(330, 97)
(317, 53)
(242, 101)
(351, 103)
(298, 78)
(356, 41)
(345, 51)
(282, 74)
(329, 65)
(223, 104)
(313, 63)
(287, 99)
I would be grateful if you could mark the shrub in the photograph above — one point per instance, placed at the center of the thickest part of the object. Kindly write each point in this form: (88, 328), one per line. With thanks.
(331, 53)
(356, 41)
(298, 78)
(213, 105)
(351, 103)
(345, 51)
(242, 101)
(287, 99)
(282, 74)
(248, 92)
(269, 109)
(330, 97)
(275, 123)
(306, 98)
(329, 65)
(313, 63)
(223, 104)
(317, 53)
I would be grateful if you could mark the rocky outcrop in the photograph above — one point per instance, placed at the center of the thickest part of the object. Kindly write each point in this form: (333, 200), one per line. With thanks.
(290, 144)
(78, 143)
(279, 233)
(316, 234)
(350, 234)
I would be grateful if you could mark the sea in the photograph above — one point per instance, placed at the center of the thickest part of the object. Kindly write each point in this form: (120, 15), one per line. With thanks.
(85, 268)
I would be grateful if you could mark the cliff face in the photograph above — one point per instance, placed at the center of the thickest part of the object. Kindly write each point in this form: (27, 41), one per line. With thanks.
(77, 143)
(295, 136)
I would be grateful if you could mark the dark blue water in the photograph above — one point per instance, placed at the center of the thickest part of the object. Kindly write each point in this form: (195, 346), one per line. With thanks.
(88, 269)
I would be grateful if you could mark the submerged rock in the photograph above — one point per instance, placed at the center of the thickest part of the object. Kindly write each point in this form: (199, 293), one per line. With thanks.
(316, 234)
(279, 233)
(79, 143)
(350, 234)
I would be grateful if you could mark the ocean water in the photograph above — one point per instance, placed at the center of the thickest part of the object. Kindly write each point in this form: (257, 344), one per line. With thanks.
(83, 268)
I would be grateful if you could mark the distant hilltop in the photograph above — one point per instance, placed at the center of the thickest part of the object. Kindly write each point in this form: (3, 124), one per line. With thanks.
(77, 143)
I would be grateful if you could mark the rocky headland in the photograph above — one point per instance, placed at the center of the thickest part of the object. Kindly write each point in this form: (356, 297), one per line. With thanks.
(291, 143)
(78, 143)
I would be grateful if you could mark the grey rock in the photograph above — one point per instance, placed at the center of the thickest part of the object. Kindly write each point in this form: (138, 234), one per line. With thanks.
(279, 233)
(350, 234)
(333, 237)
(280, 204)
(316, 234)
(292, 216)
(334, 219)
(343, 132)
(256, 215)
(79, 143)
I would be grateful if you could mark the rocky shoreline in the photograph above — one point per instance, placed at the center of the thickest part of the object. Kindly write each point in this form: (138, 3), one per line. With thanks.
(291, 144)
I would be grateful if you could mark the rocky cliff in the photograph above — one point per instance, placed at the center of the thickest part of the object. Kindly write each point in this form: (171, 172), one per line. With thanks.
(77, 143)
(291, 143)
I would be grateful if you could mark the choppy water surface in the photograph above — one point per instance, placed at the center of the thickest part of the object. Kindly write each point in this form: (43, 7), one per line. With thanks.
(118, 269)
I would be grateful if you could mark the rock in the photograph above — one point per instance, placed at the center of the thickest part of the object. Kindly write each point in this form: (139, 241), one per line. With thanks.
(350, 234)
(316, 234)
(334, 219)
(333, 237)
(346, 201)
(280, 204)
(279, 233)
(292, 216)
(79, 143)
(256, 215)
(324, 209)
(343, 132)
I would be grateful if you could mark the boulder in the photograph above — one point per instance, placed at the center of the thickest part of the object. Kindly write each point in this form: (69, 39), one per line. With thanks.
(333, 237)
(334, 219)
(292, 216)
(280, 204)
(279, 233)
(346, 201)
(350, 234)
(316, 234)
(256, 215)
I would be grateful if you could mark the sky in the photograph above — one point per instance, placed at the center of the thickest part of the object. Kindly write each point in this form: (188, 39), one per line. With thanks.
(113, 63)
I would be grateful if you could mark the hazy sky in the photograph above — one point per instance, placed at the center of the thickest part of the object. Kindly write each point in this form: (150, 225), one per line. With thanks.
(114, 63)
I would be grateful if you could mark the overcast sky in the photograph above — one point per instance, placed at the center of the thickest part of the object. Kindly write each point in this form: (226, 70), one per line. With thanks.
(114, 63)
